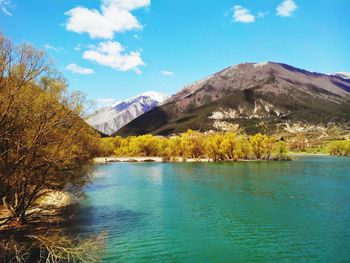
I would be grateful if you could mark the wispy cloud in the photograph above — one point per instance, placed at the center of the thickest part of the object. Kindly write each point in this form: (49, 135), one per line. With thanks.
(74, 68)
(168, 73)
(112, 54)
(50, 47)
(242, 15)
(115, 16)
(78, 47)
(262, 14)
(5, 6)
(137, 37)
(286, 8)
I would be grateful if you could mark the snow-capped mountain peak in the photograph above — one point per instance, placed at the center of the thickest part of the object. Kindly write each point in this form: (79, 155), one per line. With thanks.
(160, 97)
(153, 95)
(110, 119)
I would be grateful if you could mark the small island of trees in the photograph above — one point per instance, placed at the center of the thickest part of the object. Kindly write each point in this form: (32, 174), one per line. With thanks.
(219, 146)
(194, 144)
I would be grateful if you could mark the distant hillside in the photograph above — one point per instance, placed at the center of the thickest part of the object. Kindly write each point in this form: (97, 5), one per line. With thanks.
(109, 120)
(253, 97)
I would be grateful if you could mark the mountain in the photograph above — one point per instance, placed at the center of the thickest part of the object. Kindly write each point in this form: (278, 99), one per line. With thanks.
(251, 96)
(109, 120)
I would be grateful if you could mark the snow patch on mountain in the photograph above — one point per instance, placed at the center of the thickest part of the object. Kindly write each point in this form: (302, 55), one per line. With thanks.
(343, 74)
(256, 65)
(110, 119)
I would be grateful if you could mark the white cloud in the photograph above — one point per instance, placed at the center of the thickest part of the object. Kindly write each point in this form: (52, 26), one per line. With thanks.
(50, 47)
(138, 71)
(167, 73)
(242, 15)
(115, 16)
(137, 37)
(262, 14)
(128, 4)
(5, 5)
(286, 8)
(112, 54)
(78, 47)
(74, 68)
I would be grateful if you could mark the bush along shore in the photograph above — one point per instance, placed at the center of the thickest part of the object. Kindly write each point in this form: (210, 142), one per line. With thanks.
(194, 146)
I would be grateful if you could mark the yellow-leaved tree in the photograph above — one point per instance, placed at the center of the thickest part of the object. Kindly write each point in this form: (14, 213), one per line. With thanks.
(42, 134)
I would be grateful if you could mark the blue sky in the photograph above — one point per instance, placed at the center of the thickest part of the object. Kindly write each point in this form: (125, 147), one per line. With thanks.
(115, 49)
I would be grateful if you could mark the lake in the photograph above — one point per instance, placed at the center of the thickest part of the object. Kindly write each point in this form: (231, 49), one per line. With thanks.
(295, 211)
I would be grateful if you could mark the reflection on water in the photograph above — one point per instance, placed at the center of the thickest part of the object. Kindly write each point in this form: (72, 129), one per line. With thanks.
(242, 212)
(156, 174)
(89, 218)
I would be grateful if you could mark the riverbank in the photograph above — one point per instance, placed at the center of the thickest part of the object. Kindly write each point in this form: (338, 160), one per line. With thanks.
(307, 154)
(155, 159)
(150, 159)
(53, 208)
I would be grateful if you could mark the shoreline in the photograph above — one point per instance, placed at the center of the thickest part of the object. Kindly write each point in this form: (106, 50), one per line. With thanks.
(308, 154)
(51, 210)
(155, 159)
(150, 159)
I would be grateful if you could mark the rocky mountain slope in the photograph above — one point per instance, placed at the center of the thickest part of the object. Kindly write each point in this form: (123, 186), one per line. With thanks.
(254, 97)
(109, 120)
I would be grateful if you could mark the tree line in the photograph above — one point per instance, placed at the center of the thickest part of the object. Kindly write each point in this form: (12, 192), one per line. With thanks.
(216, 146)
(193, 144)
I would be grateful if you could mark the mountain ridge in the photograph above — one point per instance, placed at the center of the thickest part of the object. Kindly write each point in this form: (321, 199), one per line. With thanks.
(301, 93)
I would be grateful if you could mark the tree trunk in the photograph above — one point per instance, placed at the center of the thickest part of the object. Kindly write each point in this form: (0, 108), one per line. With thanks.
(22, 218)
(8, 207)
(18, 213)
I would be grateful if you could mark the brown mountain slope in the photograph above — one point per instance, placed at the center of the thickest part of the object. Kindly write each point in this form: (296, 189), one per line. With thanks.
(247, 95)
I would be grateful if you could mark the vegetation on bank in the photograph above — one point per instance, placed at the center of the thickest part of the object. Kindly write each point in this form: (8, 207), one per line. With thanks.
(42, 134)
(44, 146)
(340, 148)
(193, 144)
(220, 146)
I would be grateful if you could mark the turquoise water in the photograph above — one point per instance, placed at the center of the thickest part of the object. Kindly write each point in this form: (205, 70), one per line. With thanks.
(295, 211)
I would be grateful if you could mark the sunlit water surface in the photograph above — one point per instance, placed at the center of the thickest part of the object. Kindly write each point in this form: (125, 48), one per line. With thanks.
(295, 211)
